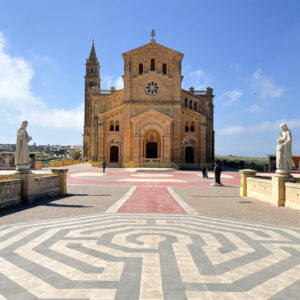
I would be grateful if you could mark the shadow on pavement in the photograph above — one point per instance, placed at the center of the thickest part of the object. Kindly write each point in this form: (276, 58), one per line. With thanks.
(47, 202)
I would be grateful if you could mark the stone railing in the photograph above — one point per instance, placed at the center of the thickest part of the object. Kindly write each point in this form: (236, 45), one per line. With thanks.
(57, 163)
(151, 160)
(47, 186)
(277, 190)
(292, 195)
(199, 93)
(105, 92)
(31, 187)
(208, 91)
(10, 192)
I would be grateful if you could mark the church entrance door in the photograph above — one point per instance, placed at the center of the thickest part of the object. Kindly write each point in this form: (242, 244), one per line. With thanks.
(114, 154)
(151, 150)
(189, 155)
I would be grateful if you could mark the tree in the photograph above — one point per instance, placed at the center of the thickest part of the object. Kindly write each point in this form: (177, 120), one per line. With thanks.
(77, 155)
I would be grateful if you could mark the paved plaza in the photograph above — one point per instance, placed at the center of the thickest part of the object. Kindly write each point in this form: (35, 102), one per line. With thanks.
(149, 234)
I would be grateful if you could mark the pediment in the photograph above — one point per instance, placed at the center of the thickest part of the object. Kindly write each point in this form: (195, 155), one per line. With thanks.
(152, 114)
(152, 46)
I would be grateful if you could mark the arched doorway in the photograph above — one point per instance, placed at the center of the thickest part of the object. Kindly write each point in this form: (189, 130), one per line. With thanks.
(189, 155)
(151, 150)
(114, 154)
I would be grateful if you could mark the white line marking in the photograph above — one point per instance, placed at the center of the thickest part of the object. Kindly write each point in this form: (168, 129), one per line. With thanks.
(181, 202)
(115, 207)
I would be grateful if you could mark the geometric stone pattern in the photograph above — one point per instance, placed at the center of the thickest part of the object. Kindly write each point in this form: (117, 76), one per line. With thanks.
(149, 256)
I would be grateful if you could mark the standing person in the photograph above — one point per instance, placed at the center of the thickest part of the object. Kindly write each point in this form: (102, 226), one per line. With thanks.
(217, 171)
(204, 172)
(103, 166)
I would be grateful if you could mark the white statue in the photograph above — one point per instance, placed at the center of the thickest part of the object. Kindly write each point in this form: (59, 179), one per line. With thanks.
(22, 150)
(284, 150)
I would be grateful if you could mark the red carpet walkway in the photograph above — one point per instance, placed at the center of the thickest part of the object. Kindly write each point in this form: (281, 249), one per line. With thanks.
(151, 200)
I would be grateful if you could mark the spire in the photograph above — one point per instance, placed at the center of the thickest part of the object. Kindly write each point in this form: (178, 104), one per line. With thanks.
(93, 52)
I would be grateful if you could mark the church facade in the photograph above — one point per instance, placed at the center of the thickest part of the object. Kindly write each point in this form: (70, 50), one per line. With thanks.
(152, 121)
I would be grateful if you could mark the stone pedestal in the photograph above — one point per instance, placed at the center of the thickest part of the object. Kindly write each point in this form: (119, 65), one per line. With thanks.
(28, 185)
(283, 173)
(244, 174)
(62, 173)
(278, 188)
(23, 169)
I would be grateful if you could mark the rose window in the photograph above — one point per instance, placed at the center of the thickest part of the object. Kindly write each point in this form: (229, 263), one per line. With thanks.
(152, 88)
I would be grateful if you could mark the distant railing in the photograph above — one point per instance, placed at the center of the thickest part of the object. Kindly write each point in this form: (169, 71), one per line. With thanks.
(152, 160)
(198, 93)
(208, 91)
(105, 92)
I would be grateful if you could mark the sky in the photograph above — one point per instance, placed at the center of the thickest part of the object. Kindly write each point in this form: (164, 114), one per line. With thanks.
(246, 50)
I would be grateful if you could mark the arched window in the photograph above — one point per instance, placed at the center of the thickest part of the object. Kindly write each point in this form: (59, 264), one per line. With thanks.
(152, 68)
(111, 126)
(92, 71)
(117, 127)
(185, 102)
(191, 104)
(186, 127)
(141, 68)
(195, 106)
(192, 126)
(164, 68)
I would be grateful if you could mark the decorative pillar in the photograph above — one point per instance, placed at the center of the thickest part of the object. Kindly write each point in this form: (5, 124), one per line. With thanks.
(244, 175)
(62, 173)
(278, 188)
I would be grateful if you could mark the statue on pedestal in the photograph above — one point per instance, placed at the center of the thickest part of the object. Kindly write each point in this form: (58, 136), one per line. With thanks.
(22, 159)
(284, 151)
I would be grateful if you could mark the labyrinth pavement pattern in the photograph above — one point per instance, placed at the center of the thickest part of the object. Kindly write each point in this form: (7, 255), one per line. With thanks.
(147, 256)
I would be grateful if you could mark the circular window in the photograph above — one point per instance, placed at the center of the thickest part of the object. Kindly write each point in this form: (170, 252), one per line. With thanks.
(152, 88)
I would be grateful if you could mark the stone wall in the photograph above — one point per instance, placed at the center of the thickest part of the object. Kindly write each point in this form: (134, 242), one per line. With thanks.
(259, 188)
(292, 195)
(46, 186)
(30, 187)
(56, 163)
(277, 190)
(10, 192)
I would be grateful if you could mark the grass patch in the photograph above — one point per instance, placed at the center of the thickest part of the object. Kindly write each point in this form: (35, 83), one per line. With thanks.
(246, 159)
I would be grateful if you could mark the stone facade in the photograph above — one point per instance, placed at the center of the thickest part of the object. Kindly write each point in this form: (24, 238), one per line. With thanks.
(152, 121)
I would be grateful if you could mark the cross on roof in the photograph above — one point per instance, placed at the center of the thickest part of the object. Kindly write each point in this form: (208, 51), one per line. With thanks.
(153, 34)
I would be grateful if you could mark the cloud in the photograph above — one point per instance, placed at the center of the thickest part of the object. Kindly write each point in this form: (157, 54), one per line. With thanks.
(231, 96)
(265, 87)
(262, 127)
(197, 79)
(107, 81)
(254, 109)
(18, 102)
(119, 83)
(231, 130)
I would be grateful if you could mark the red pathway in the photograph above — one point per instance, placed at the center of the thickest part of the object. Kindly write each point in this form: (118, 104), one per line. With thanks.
(151, 200)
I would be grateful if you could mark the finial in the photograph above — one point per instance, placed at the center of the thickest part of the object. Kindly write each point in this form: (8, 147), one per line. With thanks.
(153, 35)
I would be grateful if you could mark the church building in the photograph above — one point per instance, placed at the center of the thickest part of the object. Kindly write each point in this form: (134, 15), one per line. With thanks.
(152, 121)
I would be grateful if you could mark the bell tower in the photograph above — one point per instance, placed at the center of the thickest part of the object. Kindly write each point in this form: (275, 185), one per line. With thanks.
(92, 81)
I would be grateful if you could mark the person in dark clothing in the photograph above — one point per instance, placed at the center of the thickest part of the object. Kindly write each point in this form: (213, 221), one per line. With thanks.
(103, 166)
(217, 171)
(204, 172)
